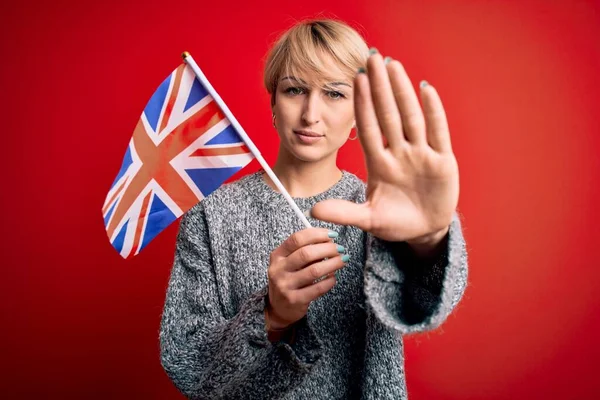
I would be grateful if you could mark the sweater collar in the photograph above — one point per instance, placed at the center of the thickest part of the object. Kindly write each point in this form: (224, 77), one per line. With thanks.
(258, 187)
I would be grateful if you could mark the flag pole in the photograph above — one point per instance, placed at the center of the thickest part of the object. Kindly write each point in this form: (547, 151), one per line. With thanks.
(202, 78)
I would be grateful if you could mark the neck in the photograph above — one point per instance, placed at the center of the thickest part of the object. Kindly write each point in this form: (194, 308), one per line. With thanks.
(302, 178)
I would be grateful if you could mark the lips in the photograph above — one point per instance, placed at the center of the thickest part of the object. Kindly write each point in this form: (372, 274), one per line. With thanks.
(307, 133)
(308, 137)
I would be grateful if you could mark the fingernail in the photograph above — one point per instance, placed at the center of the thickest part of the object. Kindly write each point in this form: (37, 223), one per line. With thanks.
(423, 84)
(372, 51)
(307, 213)
(361, 70)
(345, 258)
(387, 60)
(340, 249)
(332, 234)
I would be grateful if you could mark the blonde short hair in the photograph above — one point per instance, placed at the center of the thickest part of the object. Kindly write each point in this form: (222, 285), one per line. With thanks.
(302, 47)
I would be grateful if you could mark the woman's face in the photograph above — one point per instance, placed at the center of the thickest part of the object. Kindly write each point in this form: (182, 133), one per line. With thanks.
(314, 120)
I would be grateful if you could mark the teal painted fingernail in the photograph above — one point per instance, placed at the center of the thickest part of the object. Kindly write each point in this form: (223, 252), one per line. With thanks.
(332, 234)
(345, 258)
(361, 70)
(423, 84)
(372, 51)
(340, 249)
(387, 60)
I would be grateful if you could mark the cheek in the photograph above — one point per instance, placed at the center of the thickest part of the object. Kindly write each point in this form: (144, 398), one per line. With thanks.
(343, 119)
(286, 113)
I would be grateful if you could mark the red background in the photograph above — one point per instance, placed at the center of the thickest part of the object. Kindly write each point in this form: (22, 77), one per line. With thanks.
(520, 84)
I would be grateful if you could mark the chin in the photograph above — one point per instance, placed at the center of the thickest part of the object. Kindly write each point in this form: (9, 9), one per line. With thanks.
(310, 154)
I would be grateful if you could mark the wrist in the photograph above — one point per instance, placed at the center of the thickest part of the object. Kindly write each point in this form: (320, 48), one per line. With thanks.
(427, 245)
(272, 323)
(277, 332)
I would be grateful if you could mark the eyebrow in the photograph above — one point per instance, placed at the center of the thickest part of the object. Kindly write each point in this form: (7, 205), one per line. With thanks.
(293, 78)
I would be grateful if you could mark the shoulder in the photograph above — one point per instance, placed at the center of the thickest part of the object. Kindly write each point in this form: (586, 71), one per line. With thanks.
(226, 199)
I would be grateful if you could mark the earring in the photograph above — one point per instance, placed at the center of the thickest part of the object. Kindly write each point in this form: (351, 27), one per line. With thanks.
(273, 120)
(355, 136)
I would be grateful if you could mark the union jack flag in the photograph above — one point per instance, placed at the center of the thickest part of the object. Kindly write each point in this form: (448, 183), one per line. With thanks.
(182, 149)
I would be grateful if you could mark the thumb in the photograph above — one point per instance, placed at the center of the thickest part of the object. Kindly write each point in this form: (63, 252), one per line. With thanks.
(343, 212)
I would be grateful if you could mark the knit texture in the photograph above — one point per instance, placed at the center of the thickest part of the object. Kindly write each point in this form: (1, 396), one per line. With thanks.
(348, 346)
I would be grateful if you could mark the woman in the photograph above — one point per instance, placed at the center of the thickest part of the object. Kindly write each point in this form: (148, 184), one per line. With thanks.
(260, 308)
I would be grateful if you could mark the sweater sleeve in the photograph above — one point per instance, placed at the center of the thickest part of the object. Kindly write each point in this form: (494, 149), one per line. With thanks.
(410, 295)
(208, 356)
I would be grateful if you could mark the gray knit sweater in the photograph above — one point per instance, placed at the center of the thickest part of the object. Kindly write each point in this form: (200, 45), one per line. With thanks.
(349, 345)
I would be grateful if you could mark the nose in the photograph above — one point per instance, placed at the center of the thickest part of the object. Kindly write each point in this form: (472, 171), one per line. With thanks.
(311, 113)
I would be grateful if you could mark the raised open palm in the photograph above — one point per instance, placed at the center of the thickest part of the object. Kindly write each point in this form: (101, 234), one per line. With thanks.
(412, 185)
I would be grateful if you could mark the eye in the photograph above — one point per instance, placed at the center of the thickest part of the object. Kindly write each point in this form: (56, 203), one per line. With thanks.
(295, 91)
(335, 95)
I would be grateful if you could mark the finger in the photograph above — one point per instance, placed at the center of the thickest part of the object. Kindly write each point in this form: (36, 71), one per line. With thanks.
(303, 238)
(413, 122)
(343, 212)
(316, 290)
(386, 109)
(367, 127)
(314, 271)
(384, 102)
(311, 253)
(438, 133)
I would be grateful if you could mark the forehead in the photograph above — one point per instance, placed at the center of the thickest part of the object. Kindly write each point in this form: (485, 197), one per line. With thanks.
(321, 71)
